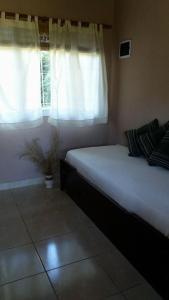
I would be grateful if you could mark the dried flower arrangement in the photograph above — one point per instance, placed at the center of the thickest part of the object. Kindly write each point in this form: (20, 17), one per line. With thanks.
(47, 162)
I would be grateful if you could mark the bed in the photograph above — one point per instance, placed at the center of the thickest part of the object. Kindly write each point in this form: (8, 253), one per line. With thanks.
(129, 202)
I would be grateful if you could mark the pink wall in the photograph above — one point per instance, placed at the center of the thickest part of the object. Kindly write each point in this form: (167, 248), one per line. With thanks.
(143, 79)
(12, 141)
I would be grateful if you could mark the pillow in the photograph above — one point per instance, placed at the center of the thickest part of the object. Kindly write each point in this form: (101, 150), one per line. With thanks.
(150, 140)
(133, 136)
(160, 156)
(166, 125)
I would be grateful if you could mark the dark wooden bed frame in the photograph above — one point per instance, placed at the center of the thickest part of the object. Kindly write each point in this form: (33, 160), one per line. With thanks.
(145, 247)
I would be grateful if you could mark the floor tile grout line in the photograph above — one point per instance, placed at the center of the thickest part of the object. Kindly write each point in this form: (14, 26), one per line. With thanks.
(21, 278)
(81, 260)
(53, 235)
(25, 224)
(114, 295)
(29, 234)
(116, 285)
(109, 277)
(42, 240)
(102, 267)
(73, 262)
(46, 271)
(133, 287)
(15, 247)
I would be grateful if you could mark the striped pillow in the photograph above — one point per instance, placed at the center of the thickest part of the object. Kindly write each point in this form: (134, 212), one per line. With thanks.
(160, 156)
(133, 136)
(150, 140)
(166, 125)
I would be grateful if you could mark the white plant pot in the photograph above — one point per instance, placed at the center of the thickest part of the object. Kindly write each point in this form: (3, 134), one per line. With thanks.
(49, 181)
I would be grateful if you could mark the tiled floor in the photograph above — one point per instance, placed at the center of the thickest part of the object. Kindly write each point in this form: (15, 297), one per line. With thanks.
(49, 249)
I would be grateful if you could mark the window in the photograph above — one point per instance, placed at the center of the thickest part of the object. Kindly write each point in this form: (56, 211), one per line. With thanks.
(85, 62)
(69, 99)
(78, 79)
(64, 79)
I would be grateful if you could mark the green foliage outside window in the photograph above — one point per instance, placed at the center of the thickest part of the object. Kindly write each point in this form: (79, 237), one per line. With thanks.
(45, 79)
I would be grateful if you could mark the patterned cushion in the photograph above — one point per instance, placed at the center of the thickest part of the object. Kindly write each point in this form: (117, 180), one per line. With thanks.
(150, 140)
(160, 156)
(133, 136)
(166, 125)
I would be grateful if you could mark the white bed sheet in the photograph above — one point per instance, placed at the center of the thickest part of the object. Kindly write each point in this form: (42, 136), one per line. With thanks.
(131, 182)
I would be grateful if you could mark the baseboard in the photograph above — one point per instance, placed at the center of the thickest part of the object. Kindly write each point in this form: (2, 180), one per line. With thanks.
(22, 183)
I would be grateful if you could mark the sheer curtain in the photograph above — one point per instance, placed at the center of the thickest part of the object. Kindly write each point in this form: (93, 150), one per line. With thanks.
(78, 74)
(20, 92)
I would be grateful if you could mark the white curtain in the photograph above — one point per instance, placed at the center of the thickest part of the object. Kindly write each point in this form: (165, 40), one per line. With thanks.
(20, 92)
(78, 74)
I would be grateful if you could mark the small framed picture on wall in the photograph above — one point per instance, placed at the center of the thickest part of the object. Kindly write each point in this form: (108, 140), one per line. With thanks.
(125, 49)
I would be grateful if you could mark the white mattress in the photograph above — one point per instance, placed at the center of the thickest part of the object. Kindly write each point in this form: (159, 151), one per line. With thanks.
(139, 188)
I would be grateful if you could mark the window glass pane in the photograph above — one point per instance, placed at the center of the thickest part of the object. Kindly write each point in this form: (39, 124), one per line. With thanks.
(66, 92)
(45, 79)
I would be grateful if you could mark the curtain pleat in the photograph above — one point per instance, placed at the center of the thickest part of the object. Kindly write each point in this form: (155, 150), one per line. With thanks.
(78, 74)
(20, 92)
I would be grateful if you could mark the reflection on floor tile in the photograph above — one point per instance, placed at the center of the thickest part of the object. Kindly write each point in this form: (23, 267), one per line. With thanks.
(58, 236)
(71, 247)
(35, 288)
(47, 225)
(142, 292)
(18, 263)
(55, 223)
(40, 200)
(82, 280)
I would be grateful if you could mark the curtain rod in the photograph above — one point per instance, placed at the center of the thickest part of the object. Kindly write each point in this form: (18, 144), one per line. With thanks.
(46, 19)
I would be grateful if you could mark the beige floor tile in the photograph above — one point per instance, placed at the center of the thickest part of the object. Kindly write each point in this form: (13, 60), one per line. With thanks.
(84, 280)
(27, 193)
(18, 263)
(77, 217)
(120, 270)
(40, 200)
(13, 233)
(73, 237)
(5, 198)
(8, 209)
(8, 215)
(36, 201)
(56, 222)
(72, 247)
(47, 225)
(34, 288)
(142, 292)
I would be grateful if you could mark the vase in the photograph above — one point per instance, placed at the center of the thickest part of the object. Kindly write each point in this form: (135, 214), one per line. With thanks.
(49, 181)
